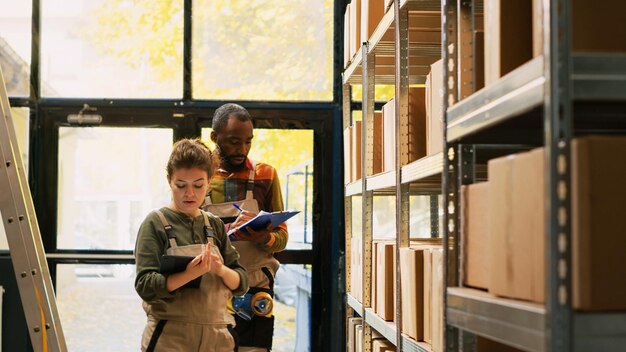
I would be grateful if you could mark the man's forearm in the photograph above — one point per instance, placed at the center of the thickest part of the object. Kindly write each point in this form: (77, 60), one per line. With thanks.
(278, 242)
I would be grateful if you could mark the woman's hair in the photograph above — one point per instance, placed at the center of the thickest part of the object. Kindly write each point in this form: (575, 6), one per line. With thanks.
(190, 153)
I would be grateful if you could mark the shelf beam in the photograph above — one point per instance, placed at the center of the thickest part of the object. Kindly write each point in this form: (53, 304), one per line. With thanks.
(519, 91)
(511, 322)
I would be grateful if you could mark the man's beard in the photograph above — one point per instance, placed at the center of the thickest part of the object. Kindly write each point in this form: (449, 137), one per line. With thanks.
(226, 162)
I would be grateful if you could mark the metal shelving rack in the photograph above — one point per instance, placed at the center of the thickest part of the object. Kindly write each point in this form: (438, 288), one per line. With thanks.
(413, 58)
(550, 85)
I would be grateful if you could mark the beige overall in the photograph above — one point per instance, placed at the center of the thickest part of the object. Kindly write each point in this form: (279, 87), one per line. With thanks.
(196, 318)
(257, 334)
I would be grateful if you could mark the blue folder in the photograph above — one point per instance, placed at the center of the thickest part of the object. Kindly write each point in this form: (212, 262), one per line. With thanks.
(263, 218)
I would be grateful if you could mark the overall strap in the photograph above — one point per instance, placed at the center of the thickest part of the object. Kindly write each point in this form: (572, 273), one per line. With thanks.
(250, 183)
(169, 231)
(208, 229)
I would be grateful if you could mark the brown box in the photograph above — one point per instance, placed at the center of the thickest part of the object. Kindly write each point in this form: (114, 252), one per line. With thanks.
(389, 136)
(475, 234)
(385, 270)
(517, 226)
(437, 301)
(352, 323)
(347, 155)
(358, 338)
(356, 150)
(371, 14)
(479, 60)
(378, 143)
(356, 270)
(591, 21)
(486, 345)
(500, 193)
(598, 223)
(382, 345)
(412, 292)
(373, 296)
(428, 283)
(355, 27)
(598, 26)
(528, 228)
(434, 114)
(417, 123)
(508, 36)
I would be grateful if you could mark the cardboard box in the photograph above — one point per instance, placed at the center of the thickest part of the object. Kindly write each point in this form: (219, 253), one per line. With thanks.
(356, 268)
(356, 150)
(591, 21)
(347, 155)
(475, 234)
(528, 229)
(378, 143)
(437, 342)
(412, 292)
(537, 27)
(598, 223)
(352, 323)
(358, 338)
(500, 172)
(355, 27)
(598, 26)
(417, 123)
(508, 36)
(434, 114)
(382, 345)
(385, 270)
(389, 136)
(479, 60)
(371, 13)
(428, 283)
(517, 226)
(486, 345)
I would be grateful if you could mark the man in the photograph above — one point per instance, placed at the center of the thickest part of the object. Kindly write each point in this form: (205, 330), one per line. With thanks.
(252, 186)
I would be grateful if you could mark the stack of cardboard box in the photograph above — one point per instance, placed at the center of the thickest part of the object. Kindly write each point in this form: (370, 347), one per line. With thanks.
(504, 226)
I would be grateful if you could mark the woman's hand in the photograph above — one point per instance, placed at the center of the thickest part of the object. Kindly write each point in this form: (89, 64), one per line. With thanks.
(205, 262)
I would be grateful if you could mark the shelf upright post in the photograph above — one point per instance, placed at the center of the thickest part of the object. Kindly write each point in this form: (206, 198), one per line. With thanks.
(366, 169)
(434, 216)
(558, 135)
(450, 168)
(347, 122)
(401, 29)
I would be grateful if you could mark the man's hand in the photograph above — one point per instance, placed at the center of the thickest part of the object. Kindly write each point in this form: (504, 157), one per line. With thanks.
(259, 236)
(243, 217)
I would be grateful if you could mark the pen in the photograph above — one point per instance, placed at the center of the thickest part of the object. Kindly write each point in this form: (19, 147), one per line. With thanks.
(238, 207)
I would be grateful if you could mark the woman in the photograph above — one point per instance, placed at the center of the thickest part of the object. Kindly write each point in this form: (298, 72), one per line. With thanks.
(180, 317)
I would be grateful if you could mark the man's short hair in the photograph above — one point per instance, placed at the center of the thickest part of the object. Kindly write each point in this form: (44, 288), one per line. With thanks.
(223, 113)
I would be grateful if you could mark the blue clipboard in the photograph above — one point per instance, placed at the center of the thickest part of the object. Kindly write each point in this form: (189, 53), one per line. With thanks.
(263, 218)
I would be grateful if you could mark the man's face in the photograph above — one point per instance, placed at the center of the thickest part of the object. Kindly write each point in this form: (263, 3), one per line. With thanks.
(234, 143)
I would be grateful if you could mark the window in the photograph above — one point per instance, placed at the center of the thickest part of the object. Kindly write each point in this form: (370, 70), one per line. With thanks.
(294, 165)
(99, 308)
(105, 192)
(15, 35)
(112, 49)
(263, 50)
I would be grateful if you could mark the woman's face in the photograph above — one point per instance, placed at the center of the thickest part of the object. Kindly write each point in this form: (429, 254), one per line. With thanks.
(189, 187)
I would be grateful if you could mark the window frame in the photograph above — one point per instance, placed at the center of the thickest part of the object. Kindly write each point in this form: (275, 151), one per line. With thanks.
(325, 118)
